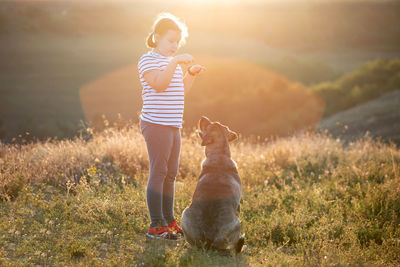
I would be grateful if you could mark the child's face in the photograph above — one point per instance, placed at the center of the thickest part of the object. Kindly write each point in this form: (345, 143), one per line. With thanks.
(168, 43)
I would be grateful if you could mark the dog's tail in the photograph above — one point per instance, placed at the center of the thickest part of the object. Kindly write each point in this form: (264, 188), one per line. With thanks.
(207, 244)
(208, 240)
(239, 244)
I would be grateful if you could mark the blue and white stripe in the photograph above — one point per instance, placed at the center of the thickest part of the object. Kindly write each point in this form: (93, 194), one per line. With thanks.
(165, 108)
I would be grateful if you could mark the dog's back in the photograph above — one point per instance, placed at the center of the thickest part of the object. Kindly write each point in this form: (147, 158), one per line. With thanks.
(212, 218)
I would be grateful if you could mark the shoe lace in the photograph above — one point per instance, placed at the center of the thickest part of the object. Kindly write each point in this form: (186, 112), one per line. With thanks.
(175, 226)
(164, 234)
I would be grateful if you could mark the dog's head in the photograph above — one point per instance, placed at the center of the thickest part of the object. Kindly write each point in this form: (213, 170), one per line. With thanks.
(214, 132)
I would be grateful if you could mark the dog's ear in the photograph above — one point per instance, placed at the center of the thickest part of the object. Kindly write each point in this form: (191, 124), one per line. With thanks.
(205, 139)
(232, 136)
(203, 123)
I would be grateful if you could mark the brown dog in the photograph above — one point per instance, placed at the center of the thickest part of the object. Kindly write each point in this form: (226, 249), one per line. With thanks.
(212, 220)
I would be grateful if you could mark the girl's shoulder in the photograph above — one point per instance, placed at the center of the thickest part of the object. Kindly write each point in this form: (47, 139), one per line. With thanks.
(151, 57)
(147, 55)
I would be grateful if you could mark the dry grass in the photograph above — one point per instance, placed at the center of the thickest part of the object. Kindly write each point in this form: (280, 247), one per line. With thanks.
(307, 200)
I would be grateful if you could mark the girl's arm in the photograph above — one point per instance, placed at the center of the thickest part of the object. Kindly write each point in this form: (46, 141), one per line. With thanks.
(160, 79)
(188, 81)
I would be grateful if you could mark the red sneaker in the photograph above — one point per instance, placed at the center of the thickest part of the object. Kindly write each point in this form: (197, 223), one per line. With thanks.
(162, 232)
(175, 227)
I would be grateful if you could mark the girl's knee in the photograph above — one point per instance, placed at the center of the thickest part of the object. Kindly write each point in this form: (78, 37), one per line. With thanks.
(172, 171)
(170, 177)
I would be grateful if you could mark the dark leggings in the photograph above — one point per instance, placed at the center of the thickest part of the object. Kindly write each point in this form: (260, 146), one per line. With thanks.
(163, 147)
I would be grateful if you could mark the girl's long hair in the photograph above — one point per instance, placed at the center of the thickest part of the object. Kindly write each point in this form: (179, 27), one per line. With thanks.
(166, 21)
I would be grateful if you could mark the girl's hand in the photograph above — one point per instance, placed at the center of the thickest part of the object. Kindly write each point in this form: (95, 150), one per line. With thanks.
(197, 69)
(184, 59)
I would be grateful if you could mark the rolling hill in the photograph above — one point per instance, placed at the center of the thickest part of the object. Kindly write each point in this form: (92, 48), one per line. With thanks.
(379, 117)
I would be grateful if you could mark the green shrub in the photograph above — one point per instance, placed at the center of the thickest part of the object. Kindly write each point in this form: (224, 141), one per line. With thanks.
(370, 81)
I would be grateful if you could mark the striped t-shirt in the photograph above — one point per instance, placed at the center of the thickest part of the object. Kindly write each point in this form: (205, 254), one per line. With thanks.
(165, 107)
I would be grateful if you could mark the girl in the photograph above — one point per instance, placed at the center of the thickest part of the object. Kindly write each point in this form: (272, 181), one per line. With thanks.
(164, 87)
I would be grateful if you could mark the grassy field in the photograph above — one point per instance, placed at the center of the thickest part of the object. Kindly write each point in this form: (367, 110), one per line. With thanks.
(51, 50)
(307, 200)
